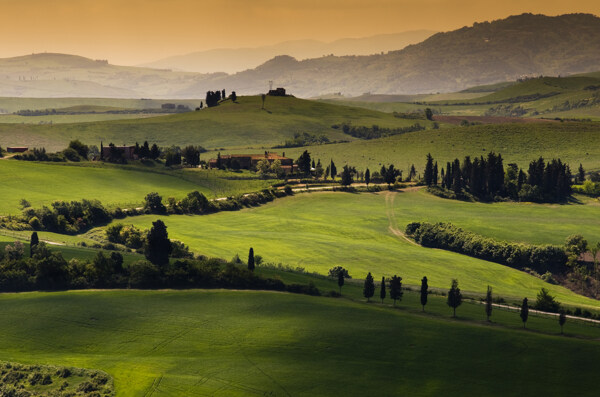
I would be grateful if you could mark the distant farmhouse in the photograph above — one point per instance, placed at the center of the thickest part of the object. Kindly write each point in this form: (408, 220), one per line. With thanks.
(16, 149)
(277, 92)
(249, 161)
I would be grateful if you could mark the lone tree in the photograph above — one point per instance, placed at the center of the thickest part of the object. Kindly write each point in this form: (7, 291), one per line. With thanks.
(488, 303)
(424, 292)
(429, 114)
(454, 296)
(396, 288)
(263, 97)
(562, 319)
(367, 177)
(341, 280)
(33, 242)
(251, 259)
(158, 246)
(382, 293)
(369, 288)
(524, 312)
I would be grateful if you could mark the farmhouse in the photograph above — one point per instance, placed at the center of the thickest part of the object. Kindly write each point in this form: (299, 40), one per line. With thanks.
(277, 92)
(16, 149)
(249, 161)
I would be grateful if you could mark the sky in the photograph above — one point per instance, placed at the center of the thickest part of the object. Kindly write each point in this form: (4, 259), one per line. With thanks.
(130, 32)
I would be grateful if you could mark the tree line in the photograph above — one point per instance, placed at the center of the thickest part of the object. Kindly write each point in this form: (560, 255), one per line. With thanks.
(541, 258)
(487, 179)
(545, 301)
(72, 217)
(375, 131)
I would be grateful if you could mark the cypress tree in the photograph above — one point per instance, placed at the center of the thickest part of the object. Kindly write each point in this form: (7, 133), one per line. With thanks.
(429, 170)
(580, 174)
(488, 303)
(382, 293)
(251, 259)
(101, 151)
(562, 319)
(341, 280)
(369, 287)
(435, 174)
(333, 170)
(33, 242)
(158, 246)
(367, 177)
(396, 288)
(454, 296)
(524, 312)
(424, 292)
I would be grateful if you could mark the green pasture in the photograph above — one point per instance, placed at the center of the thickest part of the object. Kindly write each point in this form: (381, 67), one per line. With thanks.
(242, 124)
(573, 142)
(69, 118)
(318, 231)
(182, 343)
(125, 186)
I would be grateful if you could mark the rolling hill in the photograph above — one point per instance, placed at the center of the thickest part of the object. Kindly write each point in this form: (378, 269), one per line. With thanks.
(240, 124)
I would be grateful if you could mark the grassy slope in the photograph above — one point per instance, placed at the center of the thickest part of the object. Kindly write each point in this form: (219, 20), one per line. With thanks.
(570, 89)
(240, 124)
(257, 343)
(42, 183)
(67, 119)
(321, 230)
(573, 142)
(14, 104)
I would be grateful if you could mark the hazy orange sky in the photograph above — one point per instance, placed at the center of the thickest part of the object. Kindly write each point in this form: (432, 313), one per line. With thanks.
(134, 31)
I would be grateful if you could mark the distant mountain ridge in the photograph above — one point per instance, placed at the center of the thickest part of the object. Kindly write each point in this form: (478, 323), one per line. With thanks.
(485, 53)
(232, 60)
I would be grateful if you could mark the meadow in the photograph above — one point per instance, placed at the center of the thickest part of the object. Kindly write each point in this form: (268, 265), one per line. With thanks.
(573, 142)
(318, 231)
(240, 124)
(114, 185)
(181, 343)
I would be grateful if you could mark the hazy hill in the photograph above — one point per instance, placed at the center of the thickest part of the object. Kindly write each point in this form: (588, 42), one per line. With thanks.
(484, 53)
(61, 75)
(232, 60)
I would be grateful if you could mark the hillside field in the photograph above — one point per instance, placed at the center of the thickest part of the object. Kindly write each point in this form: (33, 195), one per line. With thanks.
(181, 343)
(239, 124)
(125, 186)
(318, 231)
(573, 142)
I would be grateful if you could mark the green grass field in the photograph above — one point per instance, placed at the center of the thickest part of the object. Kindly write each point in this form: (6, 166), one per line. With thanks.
(182, 343)
(10, 105)
(125, 186)
(318, 231)
(573, 142)
(242, 124)
(67, 118)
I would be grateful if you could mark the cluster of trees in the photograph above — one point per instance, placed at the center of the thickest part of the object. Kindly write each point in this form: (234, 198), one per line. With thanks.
(304, 139)
(214, 97)
(66, 217)
(48, 270)
(541, 258)
(486, 179)
(76, 151)
(375, 131)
